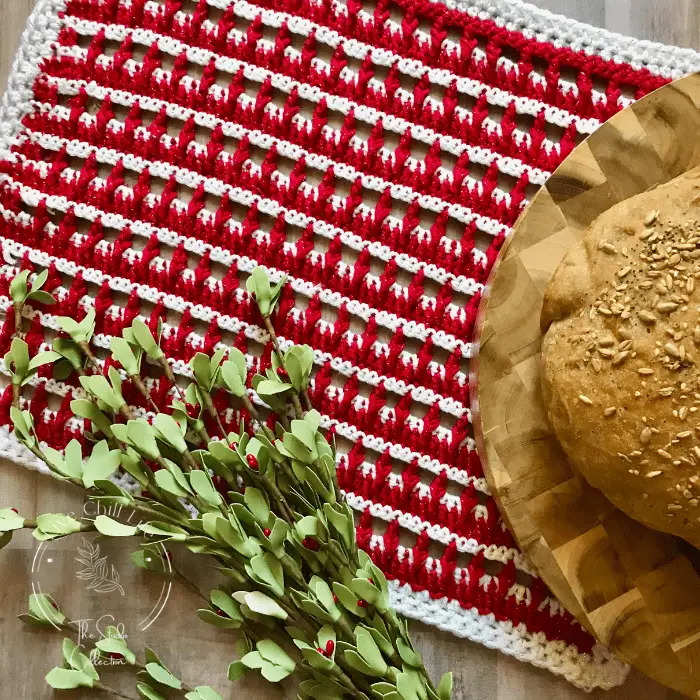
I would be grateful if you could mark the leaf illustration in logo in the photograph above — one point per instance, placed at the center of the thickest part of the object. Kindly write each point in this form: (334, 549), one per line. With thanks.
(100, 576)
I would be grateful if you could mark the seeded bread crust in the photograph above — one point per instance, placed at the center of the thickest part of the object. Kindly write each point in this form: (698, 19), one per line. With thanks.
(621, 356)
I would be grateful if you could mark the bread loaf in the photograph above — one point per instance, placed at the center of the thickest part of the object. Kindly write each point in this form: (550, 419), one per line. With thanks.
(621, 356)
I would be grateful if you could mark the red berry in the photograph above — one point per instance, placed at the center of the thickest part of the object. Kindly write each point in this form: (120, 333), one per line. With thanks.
(53, 605)
(233, 445)
(114, 655)
(267, 532)
(219, 611)
(167, 555)
(14, 510)
(320, 651)
(192, 410)
(335, 598)
(283, 374)
(146, 494)
(252, 462)
(361, 603)
(330, 647)
(371, 581)
(311, 543)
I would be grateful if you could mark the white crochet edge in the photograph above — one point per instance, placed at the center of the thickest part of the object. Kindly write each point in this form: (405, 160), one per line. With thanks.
(543, 25)
(36, 44)
(586, 671)
(583, 670)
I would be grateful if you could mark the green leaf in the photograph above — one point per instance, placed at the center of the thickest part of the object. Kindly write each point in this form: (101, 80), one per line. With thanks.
(169, 431)
(307, 526)
(224, 602)
(53, 525)
(166, 530)
(370, 652)
(444, 690)
(268, 569)
(112, 528)
(348, 599)
(269, 387)
(79, 332)
(66, 679)
(362, 588)
(68, 348)
(102, 464)
(236, 670)
(43, 358)
(23, 423)
(142, 438)
(234, 372)
(258, 285)
(9, 520)
(408, 686)
(149, 693)
(40, 280)
(408, 656)
(211, 618)
(101, 388)
(86, 409)
(18, 360)
(274, 674)
(358, 663)
(273, 652)
(201, 483)
(161, 675)
(77, 660)
(42, 608)
(167, 482)
(116, 645)
(257, 504)
(142, 335)
(264, 605)
(203, 692)
(18, 287)
(41, 297)
(201, 368)
(253, 659)
(125, 356)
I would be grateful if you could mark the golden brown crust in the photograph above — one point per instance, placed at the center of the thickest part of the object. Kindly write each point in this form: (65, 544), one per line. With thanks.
(621, 356)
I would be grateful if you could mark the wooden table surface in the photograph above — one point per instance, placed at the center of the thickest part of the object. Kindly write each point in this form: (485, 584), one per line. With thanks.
(193, 648)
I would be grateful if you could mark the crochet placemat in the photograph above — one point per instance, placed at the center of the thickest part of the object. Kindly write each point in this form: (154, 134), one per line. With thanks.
(375, 151)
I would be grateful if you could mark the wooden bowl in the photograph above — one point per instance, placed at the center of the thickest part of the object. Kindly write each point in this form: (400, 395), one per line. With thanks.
(635, 589)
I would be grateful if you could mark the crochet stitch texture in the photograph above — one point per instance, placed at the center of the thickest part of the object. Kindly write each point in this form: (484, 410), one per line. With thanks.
(378, 153)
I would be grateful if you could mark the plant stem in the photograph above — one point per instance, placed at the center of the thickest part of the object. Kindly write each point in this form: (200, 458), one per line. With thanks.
(209, 406)
(143, 390)
(278, 351)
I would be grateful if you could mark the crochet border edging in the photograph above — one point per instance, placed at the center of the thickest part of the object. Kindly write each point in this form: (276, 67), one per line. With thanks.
(661, 59)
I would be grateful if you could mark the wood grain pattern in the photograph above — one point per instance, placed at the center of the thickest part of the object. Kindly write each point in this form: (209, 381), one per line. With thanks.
(200, 654)
(637, 590)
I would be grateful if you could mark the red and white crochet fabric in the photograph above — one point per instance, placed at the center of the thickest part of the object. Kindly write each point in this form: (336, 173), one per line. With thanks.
(377, 153)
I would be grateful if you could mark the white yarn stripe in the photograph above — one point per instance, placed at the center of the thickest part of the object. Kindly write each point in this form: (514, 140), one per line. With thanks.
(350, 432)
(415, 524)
(383, 318)
(412, 67)
(289, 150)
(370, 115)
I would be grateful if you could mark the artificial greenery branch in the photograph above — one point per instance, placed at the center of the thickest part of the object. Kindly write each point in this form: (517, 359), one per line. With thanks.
(252, 485)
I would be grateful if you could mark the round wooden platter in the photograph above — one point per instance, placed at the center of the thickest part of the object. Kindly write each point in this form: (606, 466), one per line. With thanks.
(635, 589)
